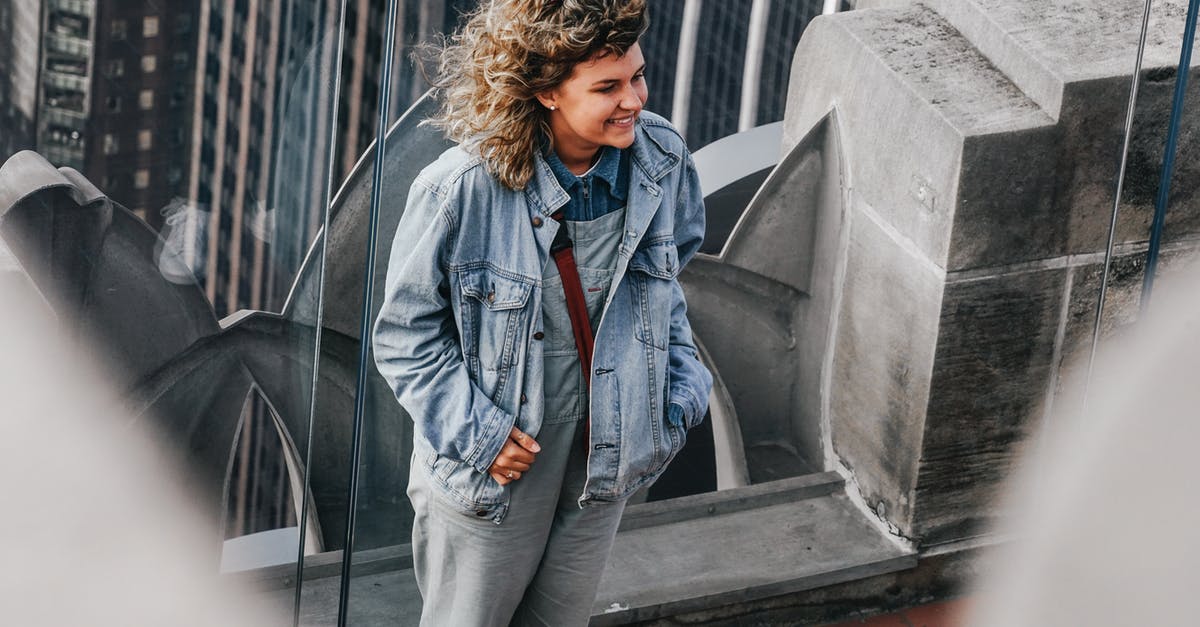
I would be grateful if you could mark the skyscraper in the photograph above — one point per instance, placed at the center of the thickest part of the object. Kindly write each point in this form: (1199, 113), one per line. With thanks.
(67, 69)
(259, 164)
(20, 43)
(135, 140)
(715, 68)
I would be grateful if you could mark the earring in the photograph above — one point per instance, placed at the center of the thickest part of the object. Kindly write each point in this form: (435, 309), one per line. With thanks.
(553, 107)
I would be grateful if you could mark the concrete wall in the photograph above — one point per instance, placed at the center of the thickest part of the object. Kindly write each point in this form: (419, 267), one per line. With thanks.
(981, 139)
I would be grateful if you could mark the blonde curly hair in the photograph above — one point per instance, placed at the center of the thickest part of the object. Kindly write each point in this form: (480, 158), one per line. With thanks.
(489, 72)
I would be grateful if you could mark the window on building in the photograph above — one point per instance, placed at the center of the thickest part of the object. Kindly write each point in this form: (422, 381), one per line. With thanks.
(118, 30)
(181, 61)
(114, 68)
(141, 179)
(113, 103)
(150, 26)
(145, 140)
(146, 99)
(149, 63)
(111, 145)
(183, 24)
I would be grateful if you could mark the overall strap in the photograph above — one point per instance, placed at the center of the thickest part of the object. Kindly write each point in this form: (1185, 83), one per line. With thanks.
(562, 249)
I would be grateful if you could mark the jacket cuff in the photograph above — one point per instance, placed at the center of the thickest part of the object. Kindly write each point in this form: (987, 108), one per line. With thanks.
(485, 452)
(675, 413)
(693, 409)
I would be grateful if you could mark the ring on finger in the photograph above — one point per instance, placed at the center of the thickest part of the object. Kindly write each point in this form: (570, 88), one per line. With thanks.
(509, 474)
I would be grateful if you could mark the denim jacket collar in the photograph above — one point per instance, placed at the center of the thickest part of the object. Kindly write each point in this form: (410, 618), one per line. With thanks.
(654, 159)
(546, 195)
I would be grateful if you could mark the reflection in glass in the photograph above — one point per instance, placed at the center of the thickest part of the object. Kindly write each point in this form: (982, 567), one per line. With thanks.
(215, 123)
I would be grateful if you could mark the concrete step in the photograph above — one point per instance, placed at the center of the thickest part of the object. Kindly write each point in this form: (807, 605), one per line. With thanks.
(670, 557)
(740, 545)
(1043, 46)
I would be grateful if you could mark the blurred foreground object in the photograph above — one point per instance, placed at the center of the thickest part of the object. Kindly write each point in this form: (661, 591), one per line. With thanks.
(1105, 515)
(100, 530)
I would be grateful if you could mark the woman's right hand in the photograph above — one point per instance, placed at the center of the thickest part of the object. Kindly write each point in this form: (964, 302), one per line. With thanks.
(515, 457)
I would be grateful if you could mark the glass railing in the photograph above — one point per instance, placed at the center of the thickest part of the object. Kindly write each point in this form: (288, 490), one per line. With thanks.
(212, 204)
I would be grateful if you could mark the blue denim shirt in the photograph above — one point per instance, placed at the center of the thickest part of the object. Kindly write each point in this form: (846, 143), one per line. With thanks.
(457, 338)
(598, 191)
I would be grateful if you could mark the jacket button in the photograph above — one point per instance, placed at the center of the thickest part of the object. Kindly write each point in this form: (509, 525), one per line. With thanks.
(491, 297)
(539, 335)
(481, 513)
(523, 399)
(537, 222)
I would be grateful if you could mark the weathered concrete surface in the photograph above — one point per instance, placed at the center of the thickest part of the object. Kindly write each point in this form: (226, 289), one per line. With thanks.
(981, 141)
(390, 598)
(934, 578)
(793, 546)
(906, 88)
(886, 333)
(763, 304)
(994, 358)
(782, 538)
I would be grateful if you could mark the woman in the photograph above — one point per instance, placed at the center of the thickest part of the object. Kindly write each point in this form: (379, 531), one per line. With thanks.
(531, 435)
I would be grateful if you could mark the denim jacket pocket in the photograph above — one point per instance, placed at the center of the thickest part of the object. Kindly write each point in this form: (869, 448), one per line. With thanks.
(493, 312)
(652, 269)
(462, 488)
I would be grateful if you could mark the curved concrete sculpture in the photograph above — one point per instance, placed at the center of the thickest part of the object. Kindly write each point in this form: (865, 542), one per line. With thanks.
(732, 169)
(763, 305)
(86, 254)
(96, 263)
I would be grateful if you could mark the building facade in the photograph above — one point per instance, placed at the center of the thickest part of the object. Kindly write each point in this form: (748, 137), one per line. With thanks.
(20, 46)
(136, 133)
(65, 85)
(716, 68)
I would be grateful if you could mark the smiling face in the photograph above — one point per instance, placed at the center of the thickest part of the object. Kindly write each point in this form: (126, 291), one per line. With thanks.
(596, 106)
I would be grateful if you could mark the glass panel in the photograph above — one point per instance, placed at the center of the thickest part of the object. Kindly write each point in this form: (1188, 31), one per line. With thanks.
(711, 103)
(381, 578)
(181, 236)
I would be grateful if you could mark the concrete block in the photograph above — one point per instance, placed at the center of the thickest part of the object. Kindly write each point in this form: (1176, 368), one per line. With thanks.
(776, 549)
(886, 334)
(908, 89)
(1005, 209)
(995, 357)
(1092, 129)
(981, 146)
(1121, 310)
(1044, 46)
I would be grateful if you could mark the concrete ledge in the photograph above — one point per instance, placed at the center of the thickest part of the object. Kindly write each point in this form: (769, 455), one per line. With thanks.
(729, 501)
(935, 577)
(690, 554)
(326, 565)
(399, 557)
(742, 556)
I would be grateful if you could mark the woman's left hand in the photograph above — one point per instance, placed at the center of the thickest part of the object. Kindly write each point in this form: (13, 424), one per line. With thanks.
(515, 458)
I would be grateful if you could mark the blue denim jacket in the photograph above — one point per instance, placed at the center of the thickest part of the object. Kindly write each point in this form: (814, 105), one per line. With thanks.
(457, 338)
